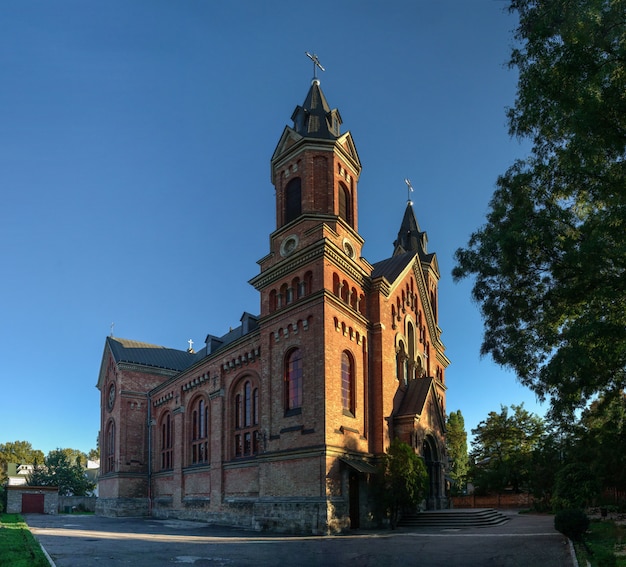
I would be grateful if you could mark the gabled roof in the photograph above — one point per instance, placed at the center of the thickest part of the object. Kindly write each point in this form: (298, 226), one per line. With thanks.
(415, 397)
(392, 267)
(145, 354)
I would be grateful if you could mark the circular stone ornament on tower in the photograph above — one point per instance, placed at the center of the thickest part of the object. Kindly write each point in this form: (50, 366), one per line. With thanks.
(289, 245)
(111, 401)
(348, 248)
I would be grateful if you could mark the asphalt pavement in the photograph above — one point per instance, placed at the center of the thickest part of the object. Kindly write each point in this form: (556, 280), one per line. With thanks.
(526, 540)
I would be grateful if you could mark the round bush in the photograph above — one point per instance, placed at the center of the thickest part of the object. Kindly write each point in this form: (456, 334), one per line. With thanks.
(572, 523)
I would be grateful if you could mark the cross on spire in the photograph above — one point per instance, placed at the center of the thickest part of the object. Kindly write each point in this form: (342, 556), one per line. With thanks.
(316, 64)
(409, 190)
(190, 349)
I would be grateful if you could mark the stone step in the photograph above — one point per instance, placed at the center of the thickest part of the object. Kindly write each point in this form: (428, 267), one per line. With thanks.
(461, 518)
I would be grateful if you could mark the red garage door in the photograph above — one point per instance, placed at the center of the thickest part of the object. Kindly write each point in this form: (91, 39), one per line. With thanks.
(32, 503)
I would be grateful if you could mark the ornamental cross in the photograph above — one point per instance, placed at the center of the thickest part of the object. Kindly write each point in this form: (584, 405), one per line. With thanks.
(409, 190)
(316, 63)
(190, 345)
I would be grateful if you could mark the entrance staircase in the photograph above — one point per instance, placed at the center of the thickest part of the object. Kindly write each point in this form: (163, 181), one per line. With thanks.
(451, 519)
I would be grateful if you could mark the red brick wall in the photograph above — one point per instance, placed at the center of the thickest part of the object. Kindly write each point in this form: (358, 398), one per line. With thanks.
(493, 501)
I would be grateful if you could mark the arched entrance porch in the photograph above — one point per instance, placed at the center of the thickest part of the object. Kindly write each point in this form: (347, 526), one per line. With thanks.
(435, 496)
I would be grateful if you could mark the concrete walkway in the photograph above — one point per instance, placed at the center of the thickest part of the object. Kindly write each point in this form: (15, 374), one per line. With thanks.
(527, 540)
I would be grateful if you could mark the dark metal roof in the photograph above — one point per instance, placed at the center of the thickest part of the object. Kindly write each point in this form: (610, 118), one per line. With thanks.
(415, 397)
(146, 354)
(410, 237)
(359, 466)
(315, 119)
(392, 267)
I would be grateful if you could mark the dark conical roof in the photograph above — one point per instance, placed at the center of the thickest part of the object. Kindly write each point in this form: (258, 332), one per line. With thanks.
(315, 119)
(410, 237)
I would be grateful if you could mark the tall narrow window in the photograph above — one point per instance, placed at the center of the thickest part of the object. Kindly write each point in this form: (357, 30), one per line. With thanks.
(410, 339)
(246, 419)
(200, 433)
(345, 204)
(293, 200)
(247, 411)
(347, 384)
(293, 380)
(109, 451)
(166, 443)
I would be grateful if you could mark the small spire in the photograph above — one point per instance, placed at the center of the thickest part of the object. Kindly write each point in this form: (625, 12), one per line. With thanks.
(316, 64)
(112, 325)
(190, 349)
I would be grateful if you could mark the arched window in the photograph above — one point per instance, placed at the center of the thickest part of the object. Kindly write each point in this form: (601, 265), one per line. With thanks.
(345, 204)
(345, 291)
(296, 288)
(273, 301)
(293, 200)
(401, 362)
(199, 432)
(354, 298)
(410, 339)
(336, 285)
(246, 418)
(307, 284)
(347, 383)
(109, 448)
(284, 295)
(166, 442)
(293, 380)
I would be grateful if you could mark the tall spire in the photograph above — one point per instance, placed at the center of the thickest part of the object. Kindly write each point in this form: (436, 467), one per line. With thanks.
(410, 237)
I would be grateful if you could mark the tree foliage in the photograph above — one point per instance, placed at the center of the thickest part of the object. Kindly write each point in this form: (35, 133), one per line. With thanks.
(502, 449)
(404, 479)
(19, 452)
(58, 469)
(602, 441)
(456, 444)
(549, 263)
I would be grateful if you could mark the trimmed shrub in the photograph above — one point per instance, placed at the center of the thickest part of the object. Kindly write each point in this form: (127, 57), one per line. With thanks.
(571, 522)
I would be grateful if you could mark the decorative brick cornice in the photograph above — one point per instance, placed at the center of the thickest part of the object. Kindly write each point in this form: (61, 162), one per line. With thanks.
(241, 360)
(288, 266)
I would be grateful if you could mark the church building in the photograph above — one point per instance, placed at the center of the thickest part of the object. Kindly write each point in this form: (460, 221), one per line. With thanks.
(279, 424)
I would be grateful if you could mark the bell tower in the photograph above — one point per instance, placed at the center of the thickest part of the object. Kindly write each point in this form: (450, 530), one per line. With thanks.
(313, 284)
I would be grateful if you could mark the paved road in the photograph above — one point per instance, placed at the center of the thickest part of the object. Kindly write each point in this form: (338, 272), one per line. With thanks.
(84, 541)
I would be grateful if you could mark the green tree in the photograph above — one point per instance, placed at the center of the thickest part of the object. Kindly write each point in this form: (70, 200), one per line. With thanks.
(59, 470)
(549, 263)
(19, 452)
(602, 440)
(404, 479)
(456, 444)
(502, 449)
(576, 486)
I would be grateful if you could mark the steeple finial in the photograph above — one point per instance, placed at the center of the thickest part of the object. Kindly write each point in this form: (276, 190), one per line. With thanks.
(409, 190)
(316, 64)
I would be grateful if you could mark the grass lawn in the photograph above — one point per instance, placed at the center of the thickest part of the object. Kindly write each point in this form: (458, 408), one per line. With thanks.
(18, 547)
(607, 542)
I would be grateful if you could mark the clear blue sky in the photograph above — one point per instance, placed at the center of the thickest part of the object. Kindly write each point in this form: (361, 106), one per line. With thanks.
(135, 139)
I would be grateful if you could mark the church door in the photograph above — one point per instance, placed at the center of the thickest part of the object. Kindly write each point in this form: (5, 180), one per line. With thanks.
(433, 492)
